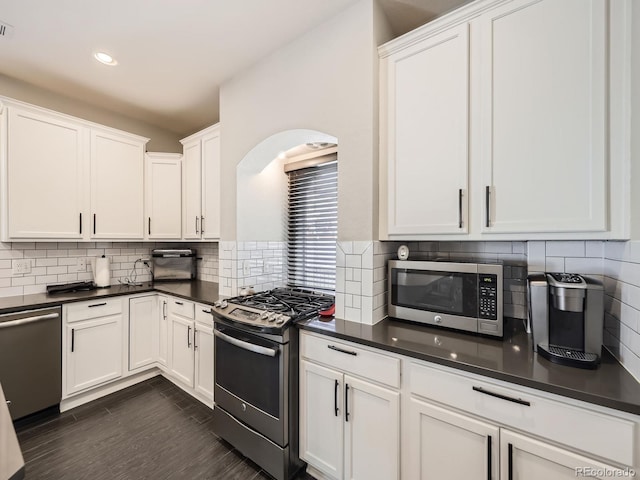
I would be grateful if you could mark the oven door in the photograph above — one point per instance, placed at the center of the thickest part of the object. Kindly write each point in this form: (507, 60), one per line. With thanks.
(249, 380)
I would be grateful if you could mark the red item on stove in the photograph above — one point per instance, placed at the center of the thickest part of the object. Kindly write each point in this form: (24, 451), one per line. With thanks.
(329, 312)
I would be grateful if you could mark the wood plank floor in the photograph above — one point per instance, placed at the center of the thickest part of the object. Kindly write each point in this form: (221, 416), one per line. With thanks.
(152, 430)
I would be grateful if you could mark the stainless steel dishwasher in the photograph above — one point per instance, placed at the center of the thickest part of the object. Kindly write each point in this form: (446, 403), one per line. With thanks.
(31, 360)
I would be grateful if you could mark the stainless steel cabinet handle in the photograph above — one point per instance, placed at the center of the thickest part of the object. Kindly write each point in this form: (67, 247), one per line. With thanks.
(94, 223)
(8, 402)
(487, 194)
(202, 225)
(164, 310)
(348, 352)
(195, 335)
(24, 321)
(269, 352)
(335, 397)
(149, 225)
(510, 462)
(189, 337)
(73, 339)
(179, 303)
(519, 401)
(489, 472)
(97, 305)
(204, 310)
(80, 223)
(197, 225)
(460, 208)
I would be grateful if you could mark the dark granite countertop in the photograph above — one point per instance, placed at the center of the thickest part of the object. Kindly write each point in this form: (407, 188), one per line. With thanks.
(511, 359)
(196, 290)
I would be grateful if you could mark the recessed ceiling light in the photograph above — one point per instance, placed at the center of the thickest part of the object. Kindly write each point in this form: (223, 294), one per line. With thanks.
(105, 58)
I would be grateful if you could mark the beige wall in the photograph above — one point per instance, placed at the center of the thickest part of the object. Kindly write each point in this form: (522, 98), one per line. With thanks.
(161, 140)
(327, 81)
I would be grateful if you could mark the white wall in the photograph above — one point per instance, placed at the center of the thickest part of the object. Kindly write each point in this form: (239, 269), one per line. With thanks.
(327, 81)
(635, 121)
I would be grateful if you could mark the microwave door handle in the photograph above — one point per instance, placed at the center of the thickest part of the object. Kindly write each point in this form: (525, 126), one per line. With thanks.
(269, 352)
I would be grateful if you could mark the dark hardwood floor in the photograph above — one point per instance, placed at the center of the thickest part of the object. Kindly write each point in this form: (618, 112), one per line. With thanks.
(152, 430)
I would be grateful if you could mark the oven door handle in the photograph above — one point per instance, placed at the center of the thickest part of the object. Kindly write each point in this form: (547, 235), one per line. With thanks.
(269, 352)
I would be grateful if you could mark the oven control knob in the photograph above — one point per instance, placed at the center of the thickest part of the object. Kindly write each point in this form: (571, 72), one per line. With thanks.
(244, 407)
(280, 321)
(273, 316)
(224, 304)
(437, 319)
(264, 315)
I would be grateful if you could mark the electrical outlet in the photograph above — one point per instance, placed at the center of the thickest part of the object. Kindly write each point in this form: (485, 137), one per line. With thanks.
(246, 268)
(81, 265)
(20, 267)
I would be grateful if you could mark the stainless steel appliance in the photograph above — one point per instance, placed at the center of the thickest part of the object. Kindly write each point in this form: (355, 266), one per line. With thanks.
(256, 375)
(459, 295)
(174, 264)
(31, 360)
(566, 312)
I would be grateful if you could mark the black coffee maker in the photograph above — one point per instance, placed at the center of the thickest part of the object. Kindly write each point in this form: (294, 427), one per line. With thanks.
(566, 312)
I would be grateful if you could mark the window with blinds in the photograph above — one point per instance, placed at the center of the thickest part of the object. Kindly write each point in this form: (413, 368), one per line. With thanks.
(312, 229)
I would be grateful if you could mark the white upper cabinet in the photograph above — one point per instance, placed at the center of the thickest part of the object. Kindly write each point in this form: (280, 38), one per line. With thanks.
(543, 75)
(64, 178)
(427, 119)
(508, 120)
(117, 175)
(201, 185)
(163, 187)
(44, 184)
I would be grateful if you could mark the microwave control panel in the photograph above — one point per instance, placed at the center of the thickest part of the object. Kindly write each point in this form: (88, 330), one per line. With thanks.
(488, 296)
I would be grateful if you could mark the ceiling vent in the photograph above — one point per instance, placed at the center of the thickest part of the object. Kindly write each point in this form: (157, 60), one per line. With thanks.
(6, 30)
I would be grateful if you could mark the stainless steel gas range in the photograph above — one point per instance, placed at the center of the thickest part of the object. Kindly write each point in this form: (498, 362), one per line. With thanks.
(256, 374)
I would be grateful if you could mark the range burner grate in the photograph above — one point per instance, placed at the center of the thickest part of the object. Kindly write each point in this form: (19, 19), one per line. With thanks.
(294, 302)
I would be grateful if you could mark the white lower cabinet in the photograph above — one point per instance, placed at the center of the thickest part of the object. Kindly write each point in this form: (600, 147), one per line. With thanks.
(349, 426)
(143, 331)
(191, 347)
(92, 344)
(446, 444)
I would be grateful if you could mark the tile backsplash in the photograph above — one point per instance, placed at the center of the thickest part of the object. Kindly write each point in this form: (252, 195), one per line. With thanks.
(52, 263)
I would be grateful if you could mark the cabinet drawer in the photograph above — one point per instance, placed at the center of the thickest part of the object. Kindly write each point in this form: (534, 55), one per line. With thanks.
(181, 307)
(101, 307)
(203, 314)
(604, 435)
(351, 359)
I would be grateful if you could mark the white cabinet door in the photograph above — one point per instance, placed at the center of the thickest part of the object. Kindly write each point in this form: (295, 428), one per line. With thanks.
(210, 226)
(523, 458)
(191, 190)
(143, 331)
(181, 348)
(93, 353)
(163, 196)
(426, 132)
(117, 200)
(445, 444)
(203, 346)
(321, 418)
(163, 330)
(46, 188)
(372, 431)
(543, 73)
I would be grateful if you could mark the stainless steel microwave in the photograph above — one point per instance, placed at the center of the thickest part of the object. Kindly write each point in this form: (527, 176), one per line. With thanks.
(457, 295)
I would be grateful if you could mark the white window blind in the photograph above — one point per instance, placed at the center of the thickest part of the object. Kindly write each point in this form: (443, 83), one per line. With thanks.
(312, 229)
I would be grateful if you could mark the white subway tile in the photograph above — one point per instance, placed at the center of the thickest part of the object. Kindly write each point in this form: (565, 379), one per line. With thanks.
(21, 281)
(56, 270)
(11, 291)
(353, 288)
(10, 254)
(348, 300)
(46, 279)
(32, 289)
(340, 279)
(35, 253)
(357, 274)
(354, 261)
(584, 265)
(536, 255)
(348, 274)
(359, 247)
(6, 273)
(346, 247)
(519, 247)
(367, 282)
(46, 262)
(565, 249)
(57, 253)
(594, 248)
(352, 314)
(555, 264)
(498, 247)
(616, 250)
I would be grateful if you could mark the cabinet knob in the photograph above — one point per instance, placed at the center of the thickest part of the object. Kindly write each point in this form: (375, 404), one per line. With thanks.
(244, 407)
(437, 319)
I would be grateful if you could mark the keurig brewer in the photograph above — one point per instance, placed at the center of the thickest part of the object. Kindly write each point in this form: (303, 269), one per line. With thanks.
(566, 312)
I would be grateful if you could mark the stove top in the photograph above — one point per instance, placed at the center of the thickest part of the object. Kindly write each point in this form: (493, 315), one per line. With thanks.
(273, 309)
